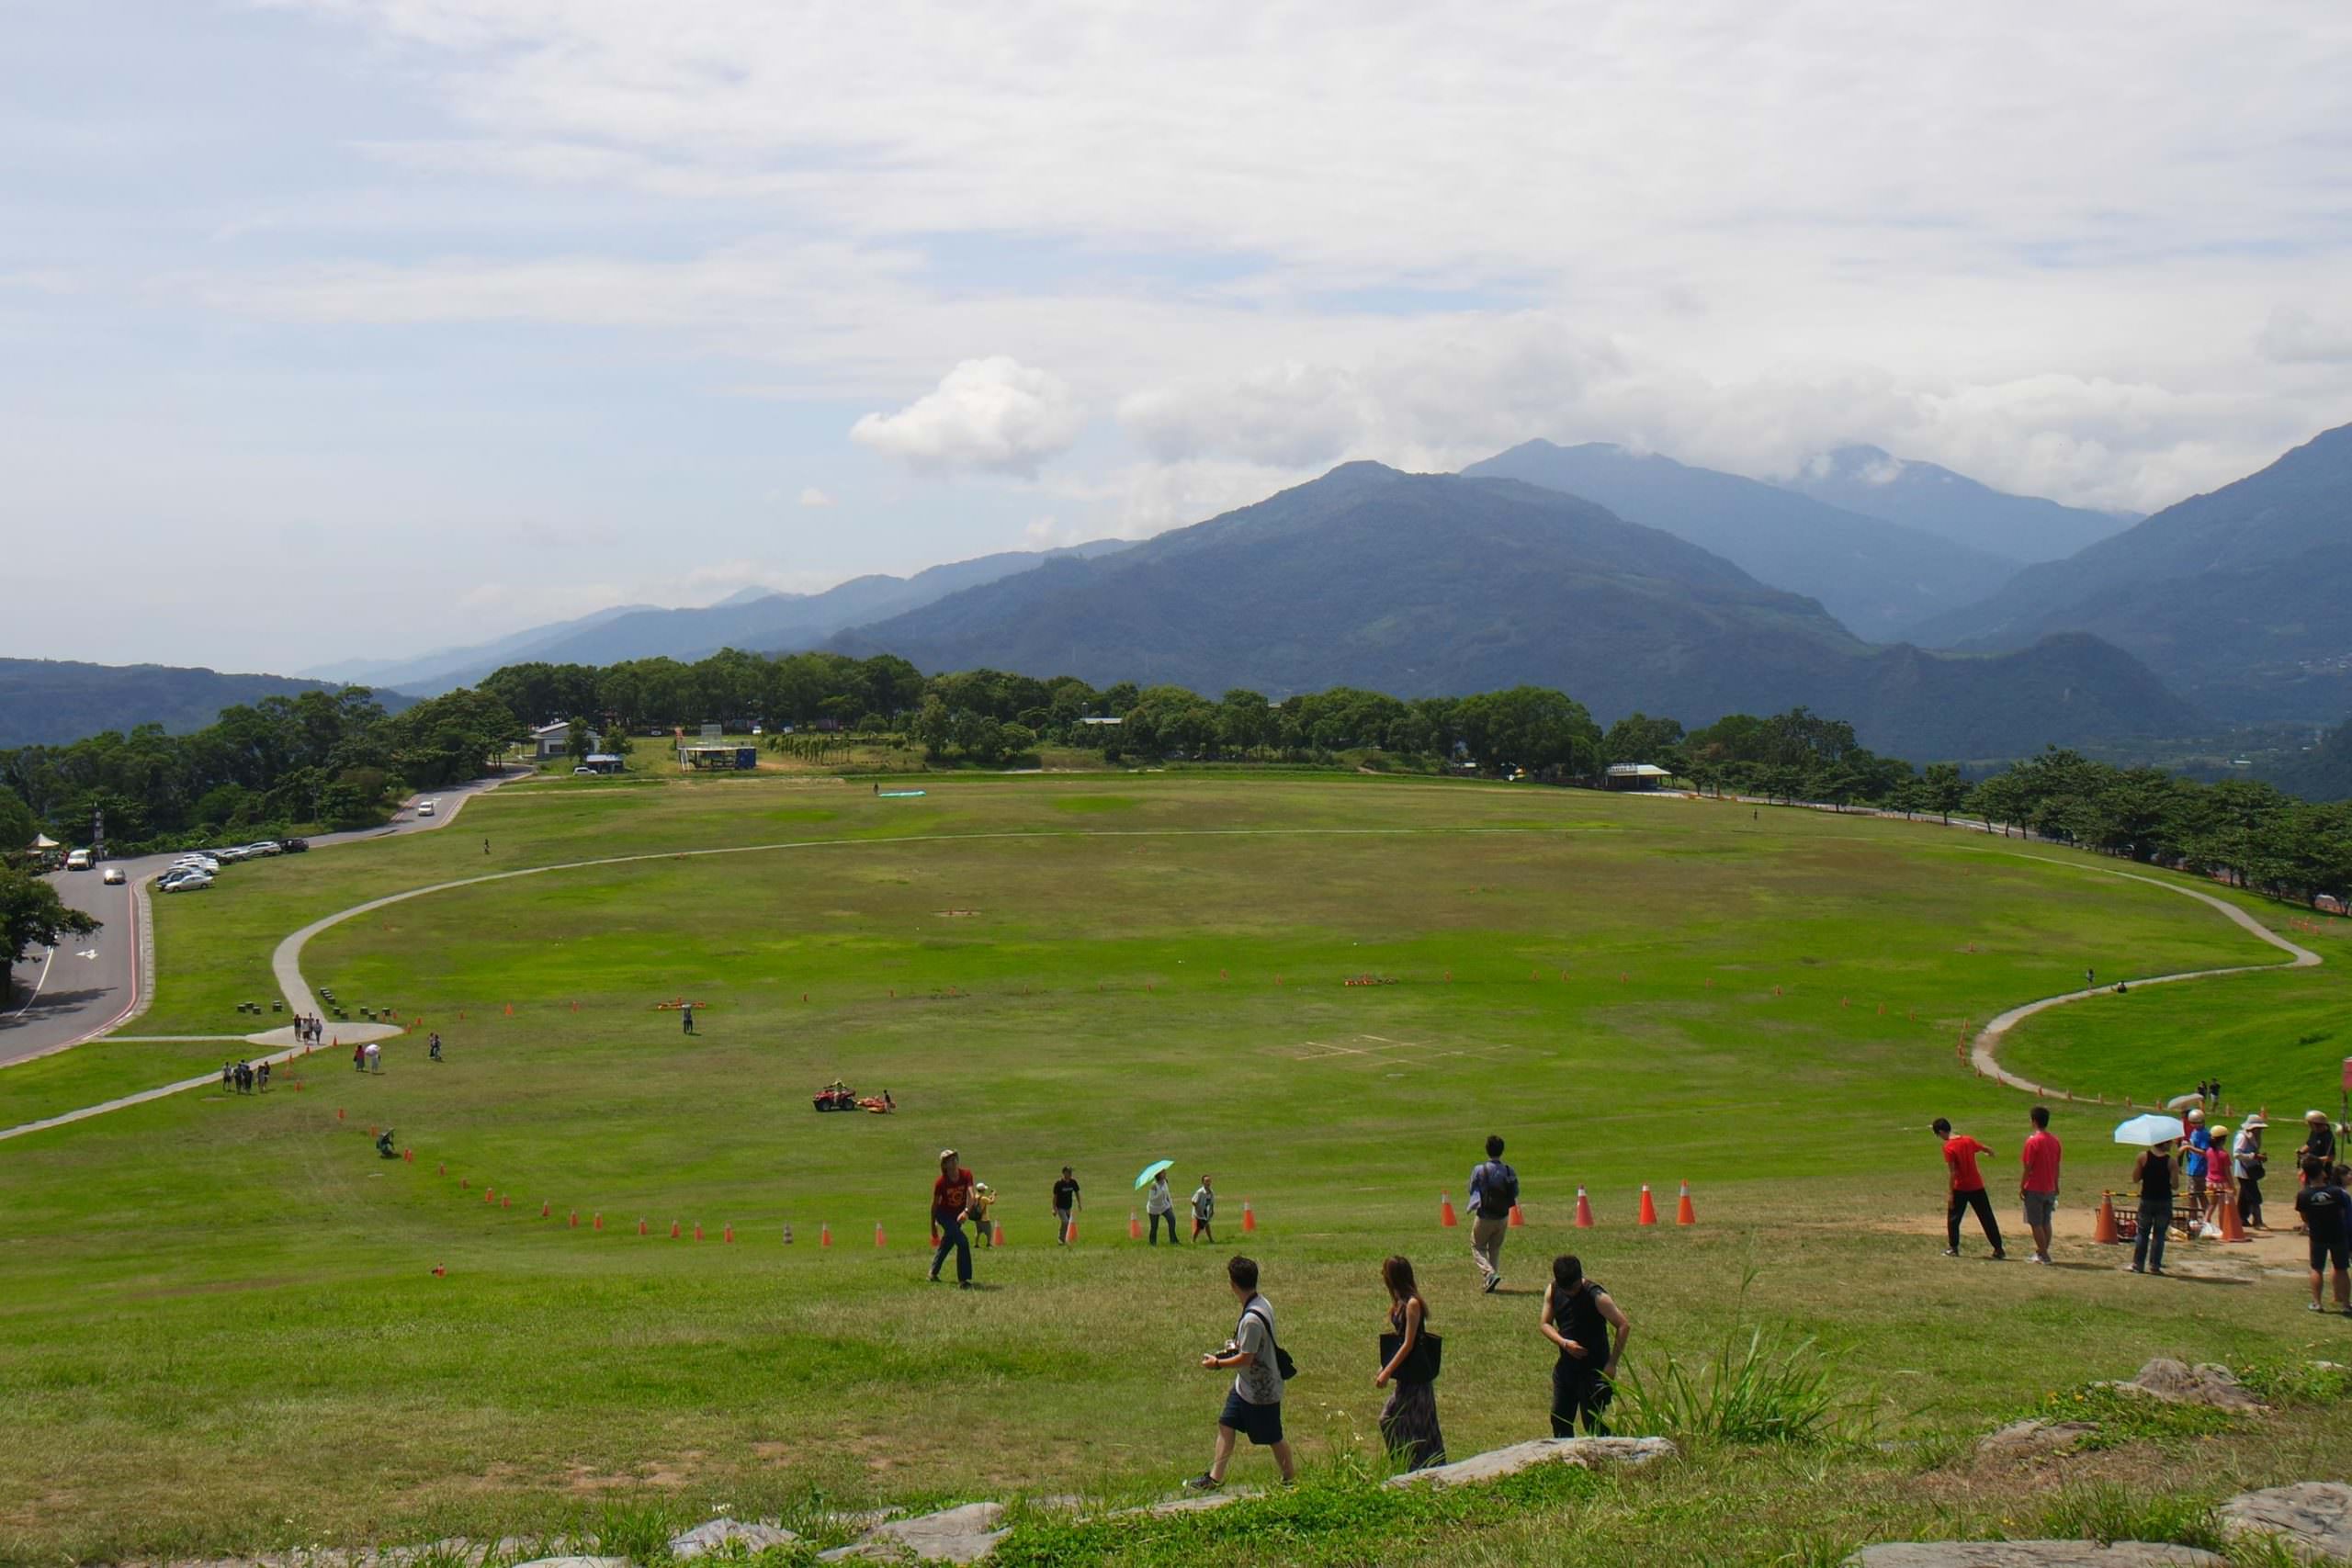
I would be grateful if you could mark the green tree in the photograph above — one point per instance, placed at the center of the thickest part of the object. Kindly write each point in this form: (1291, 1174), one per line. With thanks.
(19, 827)
(31, 915)
(1943, 789)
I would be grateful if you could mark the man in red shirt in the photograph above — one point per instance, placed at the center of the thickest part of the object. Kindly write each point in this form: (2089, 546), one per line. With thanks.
(951, 1204)
(2039, 1184)
(1967, 1190)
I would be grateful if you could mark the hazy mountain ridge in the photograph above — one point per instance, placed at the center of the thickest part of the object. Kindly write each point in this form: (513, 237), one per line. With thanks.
(1422, 584)
(54, 701)
(1876, 577)
(1926, 496)
(766, 622)
(2234, 596)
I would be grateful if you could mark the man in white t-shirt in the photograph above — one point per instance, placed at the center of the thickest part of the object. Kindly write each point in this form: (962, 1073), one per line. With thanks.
(1254, 1407)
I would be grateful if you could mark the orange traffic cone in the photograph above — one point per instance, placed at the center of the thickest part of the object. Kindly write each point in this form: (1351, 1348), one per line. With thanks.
(1135, 1226)
(641, 1224)
(1584, 1211)
(600, 1220)
(465, 1181)
(2232, 1227)
(1518, 1220)
(729, 1236)
(1248, 1217)
(880, 1239)
(1684, 1215)
(409, 1154)
(2104, 1228)
(825, 1235)
(507, 1202)
(545, 1208)
(489, 1196)
(1445, 1211)
(1649, 1207)
(575, 1218)
(697, 1231)
(673, 1230)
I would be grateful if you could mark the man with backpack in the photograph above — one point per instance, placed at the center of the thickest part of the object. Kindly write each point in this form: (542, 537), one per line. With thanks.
(1494, 1191)
(1253, 1407)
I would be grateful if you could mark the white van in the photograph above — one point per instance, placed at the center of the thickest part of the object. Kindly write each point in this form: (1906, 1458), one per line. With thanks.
(78, 860)
(424, 807)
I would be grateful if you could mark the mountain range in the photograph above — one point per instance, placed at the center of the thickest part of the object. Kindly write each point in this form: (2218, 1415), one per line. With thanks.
(1878, 578)
(50, 701)
(1422, 584)
(2235, 597)
(1953, 506)
(750, 618)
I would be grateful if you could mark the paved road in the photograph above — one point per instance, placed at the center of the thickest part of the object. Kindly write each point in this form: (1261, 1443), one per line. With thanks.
(86, 987)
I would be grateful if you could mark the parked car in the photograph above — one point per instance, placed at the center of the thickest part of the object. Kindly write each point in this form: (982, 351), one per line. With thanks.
(114, 876)
(265, 847)
(201, 863)
(185, 882)
(294, 846)
(229, 854)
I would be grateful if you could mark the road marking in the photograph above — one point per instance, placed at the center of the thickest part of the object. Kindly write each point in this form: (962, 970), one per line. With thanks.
(38, 980)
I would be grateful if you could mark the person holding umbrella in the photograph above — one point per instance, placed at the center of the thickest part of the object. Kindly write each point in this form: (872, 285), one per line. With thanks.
(2154, 1136)
(1154, 1176)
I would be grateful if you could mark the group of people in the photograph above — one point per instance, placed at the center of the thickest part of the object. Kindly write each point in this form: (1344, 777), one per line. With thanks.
(245, 1077)
(367, 1057)
(1585, 1326)
(309, 1029)
(2207, 1167)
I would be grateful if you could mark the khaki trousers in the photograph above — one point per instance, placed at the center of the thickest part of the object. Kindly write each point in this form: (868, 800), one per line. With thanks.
(1486, 1243)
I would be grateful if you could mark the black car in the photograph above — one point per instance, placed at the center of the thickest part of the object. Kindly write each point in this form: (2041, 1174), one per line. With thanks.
(293, 846)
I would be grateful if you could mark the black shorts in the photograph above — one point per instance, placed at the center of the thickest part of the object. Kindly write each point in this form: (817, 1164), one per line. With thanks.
(1259, 1423)
(2336, 1250)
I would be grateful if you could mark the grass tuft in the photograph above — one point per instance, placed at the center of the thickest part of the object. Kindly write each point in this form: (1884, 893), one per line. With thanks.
(2107, 1512)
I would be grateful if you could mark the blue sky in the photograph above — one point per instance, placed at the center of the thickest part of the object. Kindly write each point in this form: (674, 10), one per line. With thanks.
(344, 328)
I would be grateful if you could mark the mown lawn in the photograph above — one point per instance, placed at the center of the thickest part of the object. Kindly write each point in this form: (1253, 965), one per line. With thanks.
(1096, 971)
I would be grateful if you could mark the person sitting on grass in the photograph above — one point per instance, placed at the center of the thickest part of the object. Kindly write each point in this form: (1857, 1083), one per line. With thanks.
(1967, 1190)
(2323, 1205)
(384, 1146)
(1253, 1407)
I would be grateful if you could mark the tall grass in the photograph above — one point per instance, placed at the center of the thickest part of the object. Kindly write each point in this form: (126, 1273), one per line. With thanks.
(1760, 1386)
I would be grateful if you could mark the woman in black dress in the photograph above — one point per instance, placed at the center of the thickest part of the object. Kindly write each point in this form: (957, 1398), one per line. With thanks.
(1409, 1421)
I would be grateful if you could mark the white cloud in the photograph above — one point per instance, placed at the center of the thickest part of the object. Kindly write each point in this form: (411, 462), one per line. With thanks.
(996, 415)
(2295, 336)
(811, 496)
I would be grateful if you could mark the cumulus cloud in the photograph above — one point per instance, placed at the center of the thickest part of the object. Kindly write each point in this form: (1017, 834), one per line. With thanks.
(994, 415)
(812, 496)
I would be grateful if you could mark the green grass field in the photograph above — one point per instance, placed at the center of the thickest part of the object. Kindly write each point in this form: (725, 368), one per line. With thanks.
(221, 1327)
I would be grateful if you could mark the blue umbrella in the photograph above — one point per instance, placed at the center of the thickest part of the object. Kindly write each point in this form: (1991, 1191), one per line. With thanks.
(1153, 1169)
(2147, 1132)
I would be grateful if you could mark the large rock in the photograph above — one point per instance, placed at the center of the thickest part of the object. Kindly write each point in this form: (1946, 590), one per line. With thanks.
(2031, 1554)
(718, 1533)
(2313, 1518)
(1584, 1452)
(2204, 1384)
(953, 1535)
(2032, 1439)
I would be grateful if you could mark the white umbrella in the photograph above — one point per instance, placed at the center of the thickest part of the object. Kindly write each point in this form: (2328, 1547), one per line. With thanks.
(2147, 1132)
(2183, 1102)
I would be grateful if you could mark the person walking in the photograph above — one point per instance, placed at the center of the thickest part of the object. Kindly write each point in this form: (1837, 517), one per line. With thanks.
(228, 1076)
(686, 1017)
(1409, 1421)
(1494, 1188)
(951, 1204)
(1067, 1199)
(2153, 1172)
(433, 1046)
(2245, 1157)
(1159, 1207)
(1967, 1190)
(983, 1198)
(375, 1057)
(1204, 1212)
(1590, 1331)
(1253, 1406)
(2038, 1185)
(360, 1056)
(2323, 1205)
(261, 1078)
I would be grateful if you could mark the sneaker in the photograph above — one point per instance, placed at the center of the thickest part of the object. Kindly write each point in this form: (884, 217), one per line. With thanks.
(1204, 1482)
(2038, 1257)
(2313, 1306)
(1951, 1252)
(2000, 1257)
(2133, 1269)
(1492, 1281)
(2156, 1271)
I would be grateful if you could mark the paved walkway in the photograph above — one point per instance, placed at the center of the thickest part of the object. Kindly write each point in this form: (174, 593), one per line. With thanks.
(1988, 1040)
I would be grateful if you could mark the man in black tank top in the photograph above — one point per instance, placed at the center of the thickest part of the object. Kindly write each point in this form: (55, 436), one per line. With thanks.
(1590, 1332)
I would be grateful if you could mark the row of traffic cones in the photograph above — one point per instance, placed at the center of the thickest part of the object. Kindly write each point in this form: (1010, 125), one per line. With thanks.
(1684, 1212)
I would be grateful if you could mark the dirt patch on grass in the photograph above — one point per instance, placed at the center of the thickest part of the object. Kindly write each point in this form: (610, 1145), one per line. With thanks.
(668, 1475)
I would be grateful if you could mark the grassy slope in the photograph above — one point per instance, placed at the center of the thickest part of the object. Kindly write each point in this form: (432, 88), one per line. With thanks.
(210, 1274)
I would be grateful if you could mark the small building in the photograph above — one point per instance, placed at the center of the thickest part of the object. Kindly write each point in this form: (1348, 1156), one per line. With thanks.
(721, 759)
(1093, 719)
(554, 740)
(1635, 775)
(602, 763)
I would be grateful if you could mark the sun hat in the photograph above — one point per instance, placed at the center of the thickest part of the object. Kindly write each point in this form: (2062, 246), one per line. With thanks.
(947, 1154)
(2254, 1120)
(2314, 1115)
(2196, 1116)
